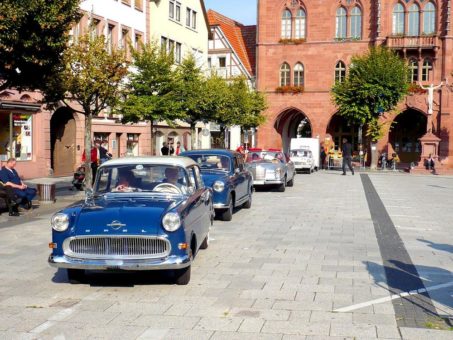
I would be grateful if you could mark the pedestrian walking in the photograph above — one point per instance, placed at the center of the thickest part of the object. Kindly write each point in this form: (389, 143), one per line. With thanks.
(323, 156)
(347, 156)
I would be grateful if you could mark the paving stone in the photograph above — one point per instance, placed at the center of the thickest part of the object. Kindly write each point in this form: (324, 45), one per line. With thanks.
(230, 324)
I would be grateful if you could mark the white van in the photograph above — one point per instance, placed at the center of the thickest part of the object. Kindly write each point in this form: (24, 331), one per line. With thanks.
(303, 160)
(311, 144)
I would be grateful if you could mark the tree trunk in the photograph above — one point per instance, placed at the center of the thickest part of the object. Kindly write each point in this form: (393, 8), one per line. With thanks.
(193, 136)
(374, 156)
(88, 173)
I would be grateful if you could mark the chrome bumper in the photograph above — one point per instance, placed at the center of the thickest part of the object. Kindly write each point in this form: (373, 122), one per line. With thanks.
(170, 262)
(268, 181)
(220, 206)
(303, 166)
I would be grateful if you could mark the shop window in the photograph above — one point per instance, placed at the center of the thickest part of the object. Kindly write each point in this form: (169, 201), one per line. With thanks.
(132, 144)
(16, 136)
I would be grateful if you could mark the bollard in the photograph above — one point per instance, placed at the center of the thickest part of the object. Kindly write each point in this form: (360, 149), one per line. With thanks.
(46, 193)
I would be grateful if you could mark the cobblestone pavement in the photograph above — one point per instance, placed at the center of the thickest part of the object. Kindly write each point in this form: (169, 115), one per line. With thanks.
(304, 264)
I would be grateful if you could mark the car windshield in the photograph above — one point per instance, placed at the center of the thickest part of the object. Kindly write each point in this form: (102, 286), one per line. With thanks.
(142, 178)
(301, 153)
(256, 156)
(212, 162)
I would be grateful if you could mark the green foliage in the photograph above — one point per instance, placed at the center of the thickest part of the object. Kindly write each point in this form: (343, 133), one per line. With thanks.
(151, 91)
(92, 77)
(33, 36)
(376, 82)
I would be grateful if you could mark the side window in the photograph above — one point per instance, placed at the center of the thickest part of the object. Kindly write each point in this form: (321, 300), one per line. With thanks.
(198, 178)
(105, 178)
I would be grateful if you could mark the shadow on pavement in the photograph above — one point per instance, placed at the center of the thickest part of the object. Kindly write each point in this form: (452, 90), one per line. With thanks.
(438, 246)
(119, 278)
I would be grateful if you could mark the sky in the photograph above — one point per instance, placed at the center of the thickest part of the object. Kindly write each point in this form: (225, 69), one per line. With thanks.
(243, 11)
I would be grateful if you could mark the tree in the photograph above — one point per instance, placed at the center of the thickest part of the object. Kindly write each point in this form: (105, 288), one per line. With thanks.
(376, 82)
(33, 36)
(151, 91)
(90, 82)
(190, 88)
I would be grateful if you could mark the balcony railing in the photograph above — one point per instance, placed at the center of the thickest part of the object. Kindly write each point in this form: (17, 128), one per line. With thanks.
(426, 42)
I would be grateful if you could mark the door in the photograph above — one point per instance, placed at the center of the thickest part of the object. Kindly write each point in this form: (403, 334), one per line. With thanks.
(240, 180)
(63, 142)
(118, 145)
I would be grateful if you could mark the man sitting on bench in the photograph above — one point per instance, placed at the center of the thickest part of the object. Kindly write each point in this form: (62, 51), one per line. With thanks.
(10, 177)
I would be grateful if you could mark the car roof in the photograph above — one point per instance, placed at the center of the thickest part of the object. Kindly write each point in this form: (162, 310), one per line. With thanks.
(158, 160)
(224, 152)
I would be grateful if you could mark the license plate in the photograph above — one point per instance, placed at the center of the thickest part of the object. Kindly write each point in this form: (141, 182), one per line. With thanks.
(114, 263)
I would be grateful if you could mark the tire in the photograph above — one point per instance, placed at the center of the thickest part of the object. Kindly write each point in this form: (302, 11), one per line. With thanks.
(182, 276)
(227, 215)
(76, 276)
(205, 243)
(291, 182)
(282, 187)
(248, 204)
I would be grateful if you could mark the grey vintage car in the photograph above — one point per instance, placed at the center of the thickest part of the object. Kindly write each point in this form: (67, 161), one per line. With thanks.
(271, 167)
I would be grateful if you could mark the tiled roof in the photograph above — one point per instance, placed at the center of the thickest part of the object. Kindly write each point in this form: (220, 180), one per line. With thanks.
(242, 38)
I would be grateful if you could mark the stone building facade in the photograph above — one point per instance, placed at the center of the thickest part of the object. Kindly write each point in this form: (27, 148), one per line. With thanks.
(303, 47)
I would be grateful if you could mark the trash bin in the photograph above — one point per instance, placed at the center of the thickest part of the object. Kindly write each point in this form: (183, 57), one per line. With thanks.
(46, 193)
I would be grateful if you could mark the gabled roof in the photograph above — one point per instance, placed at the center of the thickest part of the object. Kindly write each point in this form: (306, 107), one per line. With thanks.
(241, 37)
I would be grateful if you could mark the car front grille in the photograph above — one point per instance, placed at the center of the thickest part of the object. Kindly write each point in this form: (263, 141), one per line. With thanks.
(117, 247)
(260, 173)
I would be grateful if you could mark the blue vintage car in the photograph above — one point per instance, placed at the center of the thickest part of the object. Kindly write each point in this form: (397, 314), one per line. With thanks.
(225, 172)
(150, 213)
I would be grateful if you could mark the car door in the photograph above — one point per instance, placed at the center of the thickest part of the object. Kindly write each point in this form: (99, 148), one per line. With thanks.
(240, 179)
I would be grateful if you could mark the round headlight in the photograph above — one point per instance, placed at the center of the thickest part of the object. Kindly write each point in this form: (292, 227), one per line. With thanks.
(218, 186)
(60, 222)
(171, 222)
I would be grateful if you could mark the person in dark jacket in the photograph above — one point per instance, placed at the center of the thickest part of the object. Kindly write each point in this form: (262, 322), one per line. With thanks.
(10, 177)
(323, 156)
(347, 156)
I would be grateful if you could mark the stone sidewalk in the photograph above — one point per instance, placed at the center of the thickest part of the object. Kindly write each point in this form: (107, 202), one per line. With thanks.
(277, 271)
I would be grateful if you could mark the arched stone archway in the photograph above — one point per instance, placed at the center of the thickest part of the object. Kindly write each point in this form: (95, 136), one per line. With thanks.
(292, 123)
(340, 128)
(404, 135)
(63, 141)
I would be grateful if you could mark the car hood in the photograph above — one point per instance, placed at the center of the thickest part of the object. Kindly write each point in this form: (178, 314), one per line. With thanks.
(209, 177)
(123, 215)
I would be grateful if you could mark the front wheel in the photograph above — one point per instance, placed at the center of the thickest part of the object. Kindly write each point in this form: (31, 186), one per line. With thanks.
(182, 276)
(248, 204)
(205, 243)
(282, 187)
(227, 215)
(76, 276)
(291, 182)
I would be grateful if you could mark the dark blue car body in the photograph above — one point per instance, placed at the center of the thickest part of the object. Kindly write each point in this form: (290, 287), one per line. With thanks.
(125, 230)
(237, 180)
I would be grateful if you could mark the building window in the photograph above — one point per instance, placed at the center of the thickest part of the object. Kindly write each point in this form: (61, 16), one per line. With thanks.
(285, 75)
(300, 24)
(209, 62)
(16, 136)
(139, 5)
(341, 23)
(286, 24)
(222, 62)
(124, 35)
(138, 41)
(110, 30)
(178, 53)
(163, 43)
(414, 21)
(413, 70)
(427, 70)
(356, 23)
(398, 19)
(94, 28)
(132, 144)
(194, 20)
(429, 18)
(340, 72)
(171, 9)
(188, 14)
(299, 75)
(171, 46)
(178, 12)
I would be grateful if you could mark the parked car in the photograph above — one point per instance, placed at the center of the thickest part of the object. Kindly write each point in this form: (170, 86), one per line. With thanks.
(145, 213)
(271, 167)
(225, 172)
(303, 160)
